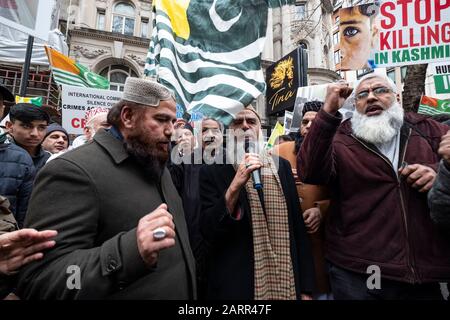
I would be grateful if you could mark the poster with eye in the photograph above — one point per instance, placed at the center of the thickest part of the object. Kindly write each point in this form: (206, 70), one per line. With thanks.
(391, 33)
(29, 16)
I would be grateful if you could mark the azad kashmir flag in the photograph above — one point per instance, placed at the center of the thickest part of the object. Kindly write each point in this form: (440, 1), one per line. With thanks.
(209, 52)
(432, 106)
(37, 101)
(67, 72)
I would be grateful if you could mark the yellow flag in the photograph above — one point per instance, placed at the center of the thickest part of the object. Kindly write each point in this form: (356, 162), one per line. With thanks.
(276, 132)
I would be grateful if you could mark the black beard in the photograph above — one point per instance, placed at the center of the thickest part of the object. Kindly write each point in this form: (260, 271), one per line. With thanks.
(145, 156)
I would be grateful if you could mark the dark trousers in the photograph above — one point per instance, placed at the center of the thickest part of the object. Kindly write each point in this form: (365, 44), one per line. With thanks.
(348, 285)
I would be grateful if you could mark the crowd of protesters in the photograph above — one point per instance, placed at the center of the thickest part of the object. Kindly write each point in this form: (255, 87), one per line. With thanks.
(147, 206)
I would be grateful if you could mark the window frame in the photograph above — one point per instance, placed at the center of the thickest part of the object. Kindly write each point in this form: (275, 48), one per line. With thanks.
(338, 53)
(145, 22)
(101, 13)
(298, 5)
(124, 18)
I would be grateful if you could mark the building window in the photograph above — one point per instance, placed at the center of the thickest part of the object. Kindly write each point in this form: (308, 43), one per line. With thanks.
(300, 11)
(117, 74)
(403, 73)
(100, 20)
(337, 57)
(123, 19)
(363, 72)
(391, 75)
(144, 28)
(336, 38)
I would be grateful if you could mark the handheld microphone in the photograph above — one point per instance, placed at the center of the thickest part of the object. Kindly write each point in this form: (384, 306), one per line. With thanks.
(250, 147)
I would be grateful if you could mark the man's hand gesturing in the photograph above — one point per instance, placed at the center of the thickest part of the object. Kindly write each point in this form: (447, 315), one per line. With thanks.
(148, 245)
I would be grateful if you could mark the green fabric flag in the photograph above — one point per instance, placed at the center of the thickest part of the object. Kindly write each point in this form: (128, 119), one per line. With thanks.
(432, 106)
(37, 101)
(209, 52)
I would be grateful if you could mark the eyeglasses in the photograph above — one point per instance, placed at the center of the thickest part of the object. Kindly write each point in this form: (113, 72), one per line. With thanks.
(379, 91)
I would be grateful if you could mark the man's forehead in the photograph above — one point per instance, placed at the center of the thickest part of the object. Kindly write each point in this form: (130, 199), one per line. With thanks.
(310, 114)
(34, 122)
(247, 114)
(372, 82)
(210, 124)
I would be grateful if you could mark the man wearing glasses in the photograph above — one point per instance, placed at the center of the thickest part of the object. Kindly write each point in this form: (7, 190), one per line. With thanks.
(379, 166)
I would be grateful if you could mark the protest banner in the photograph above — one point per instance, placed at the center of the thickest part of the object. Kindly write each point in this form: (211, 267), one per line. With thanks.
(76, 101)
(394, 33)
(441, 75)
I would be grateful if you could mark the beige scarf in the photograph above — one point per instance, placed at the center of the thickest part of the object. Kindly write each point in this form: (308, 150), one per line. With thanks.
(274, 275)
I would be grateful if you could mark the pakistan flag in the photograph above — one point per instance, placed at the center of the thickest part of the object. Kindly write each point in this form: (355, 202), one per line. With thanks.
(209, 52)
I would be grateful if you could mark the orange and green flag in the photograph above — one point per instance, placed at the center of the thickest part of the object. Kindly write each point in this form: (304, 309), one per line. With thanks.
(37, 101)
(432, 106)
(67, 71)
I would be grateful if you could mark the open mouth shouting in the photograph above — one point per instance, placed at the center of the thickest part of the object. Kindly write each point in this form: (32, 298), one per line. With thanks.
(374, 110)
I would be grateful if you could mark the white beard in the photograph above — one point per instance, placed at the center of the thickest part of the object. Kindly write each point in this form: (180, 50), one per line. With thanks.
(378, 129)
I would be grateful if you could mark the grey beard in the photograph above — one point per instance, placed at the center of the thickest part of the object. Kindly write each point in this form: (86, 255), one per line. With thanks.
(378, 129)
(152, 165)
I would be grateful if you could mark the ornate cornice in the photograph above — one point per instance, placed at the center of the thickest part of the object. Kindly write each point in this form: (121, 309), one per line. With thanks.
(89, 53)
(138, 59)
(105, 35)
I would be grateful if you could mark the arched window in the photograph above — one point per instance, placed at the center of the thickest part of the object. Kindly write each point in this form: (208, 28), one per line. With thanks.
(123, 18)
(303, 45)
(117, 74)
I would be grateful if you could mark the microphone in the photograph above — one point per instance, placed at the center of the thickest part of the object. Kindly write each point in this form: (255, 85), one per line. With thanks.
(250, 147)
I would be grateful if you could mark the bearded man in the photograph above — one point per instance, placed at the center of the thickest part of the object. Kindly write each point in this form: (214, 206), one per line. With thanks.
(120, 221)
(257, 246)
(379, 165)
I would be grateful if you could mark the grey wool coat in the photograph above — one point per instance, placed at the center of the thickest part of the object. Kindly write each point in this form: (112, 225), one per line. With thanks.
(94, 196)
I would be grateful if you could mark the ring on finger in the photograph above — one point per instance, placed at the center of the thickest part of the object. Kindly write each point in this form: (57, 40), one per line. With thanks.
(159, 233)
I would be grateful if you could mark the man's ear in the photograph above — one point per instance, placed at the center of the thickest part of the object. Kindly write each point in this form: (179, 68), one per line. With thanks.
(127, 117)
(9, 126)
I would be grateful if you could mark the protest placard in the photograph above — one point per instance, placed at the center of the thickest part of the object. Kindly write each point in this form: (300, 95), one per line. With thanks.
(394, 33)
(76, 101)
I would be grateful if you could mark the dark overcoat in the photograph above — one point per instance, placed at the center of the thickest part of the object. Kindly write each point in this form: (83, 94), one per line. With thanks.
(94, 196)
(230, 260)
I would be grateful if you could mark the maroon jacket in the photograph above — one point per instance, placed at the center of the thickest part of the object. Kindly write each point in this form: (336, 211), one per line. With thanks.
(377, 218)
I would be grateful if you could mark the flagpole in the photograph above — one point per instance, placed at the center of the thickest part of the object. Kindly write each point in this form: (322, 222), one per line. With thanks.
(26, 67)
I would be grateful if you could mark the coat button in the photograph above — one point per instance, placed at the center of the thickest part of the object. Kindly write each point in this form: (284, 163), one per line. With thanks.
(112, 265)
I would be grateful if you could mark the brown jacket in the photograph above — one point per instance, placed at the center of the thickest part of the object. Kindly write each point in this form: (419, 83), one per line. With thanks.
(310, 196)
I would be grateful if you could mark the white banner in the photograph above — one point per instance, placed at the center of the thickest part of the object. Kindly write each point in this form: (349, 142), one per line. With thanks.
(76, 101)
(391, 33)
(34, 17)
